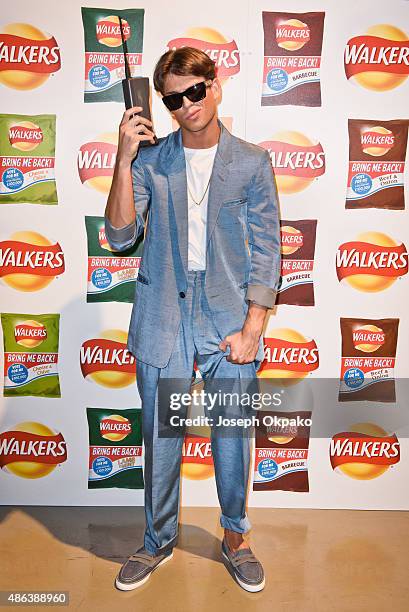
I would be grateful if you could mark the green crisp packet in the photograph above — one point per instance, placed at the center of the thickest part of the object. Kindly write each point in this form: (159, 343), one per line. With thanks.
(104, 60)
(31, 354)
(111, 274)
(27, 159)
(115, 448)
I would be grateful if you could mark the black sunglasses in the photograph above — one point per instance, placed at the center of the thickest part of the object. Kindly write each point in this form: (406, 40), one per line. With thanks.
(194, 93)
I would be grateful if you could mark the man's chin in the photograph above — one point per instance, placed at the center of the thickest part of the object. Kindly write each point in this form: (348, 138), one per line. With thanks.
(192, 126)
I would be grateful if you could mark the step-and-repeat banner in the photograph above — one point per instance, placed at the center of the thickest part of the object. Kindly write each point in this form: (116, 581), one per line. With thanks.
(323, 86)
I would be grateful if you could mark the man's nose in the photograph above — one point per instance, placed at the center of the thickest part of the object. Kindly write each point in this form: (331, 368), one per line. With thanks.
(186, 102)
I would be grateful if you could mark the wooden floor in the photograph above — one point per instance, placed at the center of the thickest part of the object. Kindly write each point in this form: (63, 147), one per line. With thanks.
(314, 560)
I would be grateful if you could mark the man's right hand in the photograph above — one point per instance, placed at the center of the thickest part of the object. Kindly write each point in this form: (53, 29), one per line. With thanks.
(129, 136)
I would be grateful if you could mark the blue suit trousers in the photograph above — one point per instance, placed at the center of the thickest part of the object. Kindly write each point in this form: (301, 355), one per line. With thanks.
(197, 339)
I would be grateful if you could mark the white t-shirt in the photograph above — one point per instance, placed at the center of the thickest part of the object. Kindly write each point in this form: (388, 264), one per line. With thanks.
(199, 165)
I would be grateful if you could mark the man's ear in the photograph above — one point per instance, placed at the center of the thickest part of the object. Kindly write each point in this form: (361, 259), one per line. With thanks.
(217, 89)
(217, 85)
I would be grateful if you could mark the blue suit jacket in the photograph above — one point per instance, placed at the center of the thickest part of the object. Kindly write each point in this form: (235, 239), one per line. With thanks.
(243, 241)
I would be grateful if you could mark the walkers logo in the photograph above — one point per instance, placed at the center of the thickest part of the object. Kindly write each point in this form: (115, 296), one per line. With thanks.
(281, 435)
(30, 333)
(29, 261)
(108, 31)
(364, 452)
(368, 338)
(25, 135)
(292, 34)
(296, 160)
(197, 461)
(288, 355)
(115, 427)
(372, 262)
(96, 161)
(379, 59)
(28, 56)
(221, 50)
(376, 140)
(292, 239)
(107, 361)
(31, 450)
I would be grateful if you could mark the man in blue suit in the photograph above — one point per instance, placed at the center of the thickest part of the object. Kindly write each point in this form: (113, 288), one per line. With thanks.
(209, 272)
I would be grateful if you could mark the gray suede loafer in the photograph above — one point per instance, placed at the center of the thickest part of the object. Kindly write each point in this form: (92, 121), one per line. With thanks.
(139, 567)
(247, 570)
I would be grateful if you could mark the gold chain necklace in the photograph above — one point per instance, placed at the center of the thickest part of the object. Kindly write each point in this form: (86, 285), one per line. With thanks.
(190, 193)
(203, 197)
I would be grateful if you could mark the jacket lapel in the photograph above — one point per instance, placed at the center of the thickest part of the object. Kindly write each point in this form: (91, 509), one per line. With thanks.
(218, 180)
(173, 162)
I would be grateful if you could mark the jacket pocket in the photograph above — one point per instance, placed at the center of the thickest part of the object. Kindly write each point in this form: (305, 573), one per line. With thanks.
(143, 279)
(237, 202)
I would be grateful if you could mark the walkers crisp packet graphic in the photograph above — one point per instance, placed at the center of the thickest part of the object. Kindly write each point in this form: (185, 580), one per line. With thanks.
(30, 261)
(115, 448)
(281, 459)
(288, 356)
(378, 59)
(31, 354)
(197, 459)
(96, 162)
(106, 360)
(32, 450)
(368, 359)
(104, 60)
(377, 154)
(28, 56)
(364, 452)
(220, 47)
(372, 262)
(297, 160)
(292, 58)
(111, 274)
(27, 159)
(297, 263)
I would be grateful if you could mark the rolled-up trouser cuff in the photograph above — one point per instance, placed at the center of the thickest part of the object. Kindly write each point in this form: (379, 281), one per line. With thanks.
(159, 551)
(241, 525)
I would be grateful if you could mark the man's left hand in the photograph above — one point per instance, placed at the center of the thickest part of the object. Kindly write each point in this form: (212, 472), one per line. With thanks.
(243, 346)
(244, 343)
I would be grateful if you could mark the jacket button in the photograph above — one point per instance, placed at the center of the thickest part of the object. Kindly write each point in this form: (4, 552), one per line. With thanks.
(182, 294)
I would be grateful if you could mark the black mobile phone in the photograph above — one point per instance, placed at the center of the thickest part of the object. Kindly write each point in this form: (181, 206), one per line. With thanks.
(136, 90)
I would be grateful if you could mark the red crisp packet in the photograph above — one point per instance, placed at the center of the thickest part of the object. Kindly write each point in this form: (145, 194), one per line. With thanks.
(292, 58)
(377, 154)
(297, 263)
(281, 458)
(368, 359)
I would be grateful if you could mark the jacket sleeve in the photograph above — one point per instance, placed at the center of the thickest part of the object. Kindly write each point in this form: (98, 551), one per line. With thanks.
(122, 238)
(264, 236)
